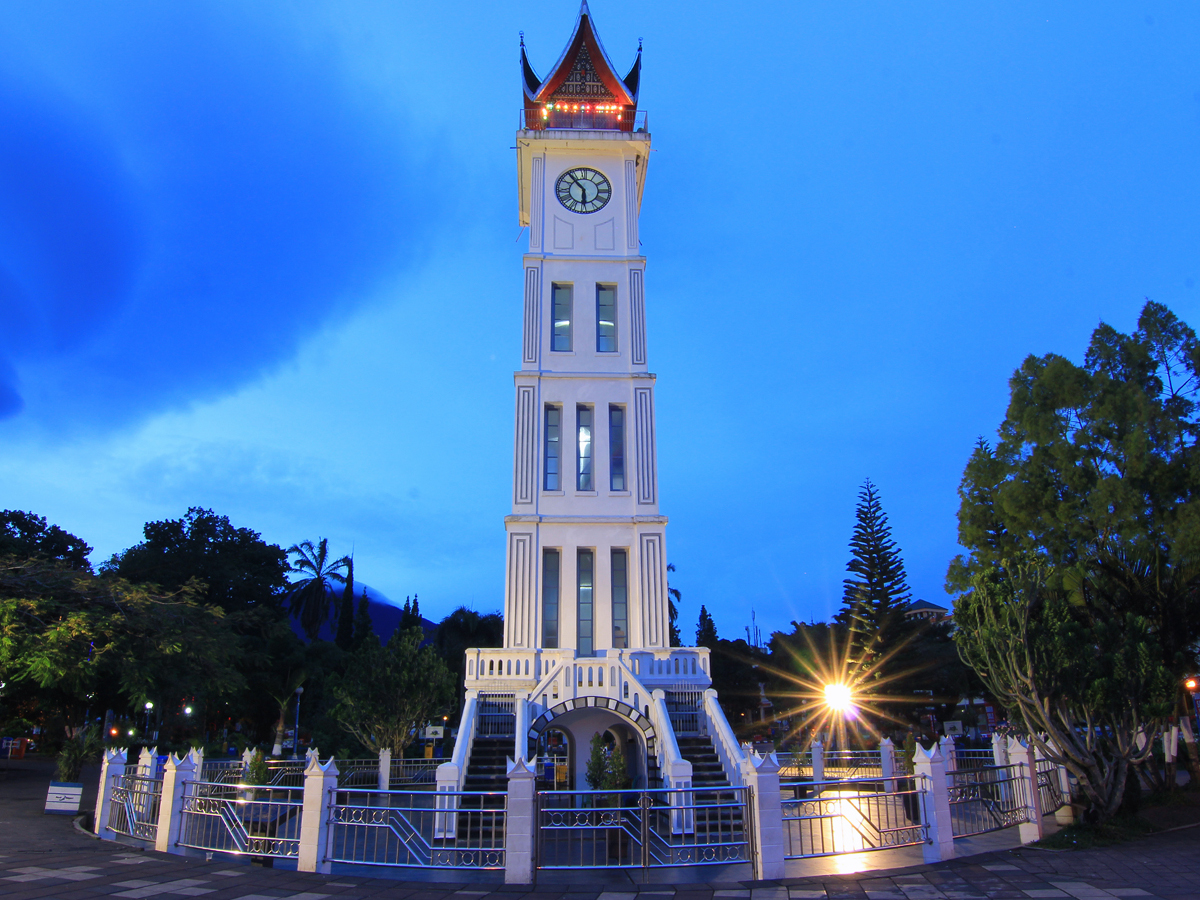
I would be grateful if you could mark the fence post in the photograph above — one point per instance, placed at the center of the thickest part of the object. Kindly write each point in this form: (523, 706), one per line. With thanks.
(112, 768)
(170, 805)
(761, 775)
(930, 766)
(197, 754)
(385, 769)
(949, 752)
(319, 780)
(247, 755)
(1020, 754)
(818, 761)
(1065, 814)
(520, 827)
(999, 749)
(146, 761)
(887, 764)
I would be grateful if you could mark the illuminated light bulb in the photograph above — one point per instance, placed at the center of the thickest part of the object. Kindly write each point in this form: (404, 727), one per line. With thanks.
(837, 697)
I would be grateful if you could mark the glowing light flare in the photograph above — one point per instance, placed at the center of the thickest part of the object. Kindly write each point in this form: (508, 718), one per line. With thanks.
(1190, 684)
(839, 698)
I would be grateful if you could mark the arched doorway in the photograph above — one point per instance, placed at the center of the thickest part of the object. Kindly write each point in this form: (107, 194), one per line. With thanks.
(564, 732)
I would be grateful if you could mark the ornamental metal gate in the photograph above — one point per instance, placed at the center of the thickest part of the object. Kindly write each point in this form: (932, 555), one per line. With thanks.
(135, 800)
(988, 799)
(852, 815)
(242, 819)
(642, 829)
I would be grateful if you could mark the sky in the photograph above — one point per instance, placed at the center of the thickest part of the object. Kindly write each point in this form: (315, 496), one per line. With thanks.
(264, 258)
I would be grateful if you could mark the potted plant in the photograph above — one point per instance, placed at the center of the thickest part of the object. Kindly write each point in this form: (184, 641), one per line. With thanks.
(64, 795)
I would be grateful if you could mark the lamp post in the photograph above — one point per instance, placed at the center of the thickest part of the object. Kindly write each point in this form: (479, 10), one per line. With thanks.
(149, 706)
(296, 732)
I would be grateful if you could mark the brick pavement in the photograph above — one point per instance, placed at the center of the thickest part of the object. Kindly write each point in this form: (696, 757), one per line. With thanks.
(41, 857)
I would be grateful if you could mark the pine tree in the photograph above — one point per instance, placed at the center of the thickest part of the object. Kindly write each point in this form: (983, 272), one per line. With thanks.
(345, 622)
(706, 630)
(410, 614)
(363, 628)
(876, 593)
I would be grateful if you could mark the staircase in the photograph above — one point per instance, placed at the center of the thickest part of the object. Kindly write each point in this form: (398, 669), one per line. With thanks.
(487, 770)
(707, 771)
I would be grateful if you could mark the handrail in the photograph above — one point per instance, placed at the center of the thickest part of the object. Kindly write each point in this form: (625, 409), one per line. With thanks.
(668, 747)
(466, 737)
(728, 751)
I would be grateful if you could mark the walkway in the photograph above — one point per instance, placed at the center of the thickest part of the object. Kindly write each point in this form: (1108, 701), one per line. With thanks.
(43, 857)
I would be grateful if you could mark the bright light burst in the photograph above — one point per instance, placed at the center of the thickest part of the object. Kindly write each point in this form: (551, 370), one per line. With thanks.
(838, 697)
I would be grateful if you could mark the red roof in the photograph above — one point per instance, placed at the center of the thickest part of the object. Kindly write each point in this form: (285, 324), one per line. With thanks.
(583, 73)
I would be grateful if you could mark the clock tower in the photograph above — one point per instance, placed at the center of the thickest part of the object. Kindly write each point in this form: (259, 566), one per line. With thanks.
(587, 646)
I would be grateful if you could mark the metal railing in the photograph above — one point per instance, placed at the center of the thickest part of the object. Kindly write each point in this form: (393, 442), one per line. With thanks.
(988, 799)
(286, 772)
(135, 801)
(796, 765)
(852, 815)
(965, 760)
(420, 774)
(847, 764)
(642, 829)
(497, 716)
(443, 829)
(242, 819)
(358, 773)
(584, 117)
(1050, 792)
(686, 709)
(222, 771)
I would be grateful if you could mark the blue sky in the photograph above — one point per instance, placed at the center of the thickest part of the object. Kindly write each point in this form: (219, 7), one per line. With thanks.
(262, 258)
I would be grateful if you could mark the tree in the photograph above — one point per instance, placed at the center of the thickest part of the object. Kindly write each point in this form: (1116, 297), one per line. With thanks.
(389, 691)
(1085, 686)
(674, 597)
(607, 769)
(345, 619)
(462, 630)
(364, 628)
(309, 598)
(876, 593)
(1095, 484)
(238, 570)
(410, 615)
(706, 630)
(24, 535)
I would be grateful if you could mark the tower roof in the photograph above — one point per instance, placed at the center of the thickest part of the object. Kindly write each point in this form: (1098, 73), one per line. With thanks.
(583, 74)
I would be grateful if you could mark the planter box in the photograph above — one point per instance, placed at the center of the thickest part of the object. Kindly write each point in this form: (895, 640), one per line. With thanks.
(63, 798)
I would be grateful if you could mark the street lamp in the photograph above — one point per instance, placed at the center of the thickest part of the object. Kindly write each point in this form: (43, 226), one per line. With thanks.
(149, 706)
(296, 734)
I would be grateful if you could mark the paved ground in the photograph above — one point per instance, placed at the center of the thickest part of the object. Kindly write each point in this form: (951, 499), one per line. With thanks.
(43, 857)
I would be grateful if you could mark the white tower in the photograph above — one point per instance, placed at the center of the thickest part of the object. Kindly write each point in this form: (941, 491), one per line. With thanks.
(586, 626)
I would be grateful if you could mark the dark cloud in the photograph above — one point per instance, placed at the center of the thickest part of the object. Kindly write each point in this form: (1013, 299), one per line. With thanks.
(183, 197)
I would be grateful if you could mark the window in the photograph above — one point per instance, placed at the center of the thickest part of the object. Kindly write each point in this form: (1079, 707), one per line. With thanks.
(620, 598)
(560, 335)
(583, 568)
(583, 417)
(550, 599)
(616, 448)
(553, 477)
(606, 318)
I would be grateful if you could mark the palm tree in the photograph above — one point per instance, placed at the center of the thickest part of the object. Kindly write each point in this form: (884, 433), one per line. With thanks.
(310, 596)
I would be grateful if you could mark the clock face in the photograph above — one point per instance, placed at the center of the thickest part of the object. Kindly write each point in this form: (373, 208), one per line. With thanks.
(583, 190)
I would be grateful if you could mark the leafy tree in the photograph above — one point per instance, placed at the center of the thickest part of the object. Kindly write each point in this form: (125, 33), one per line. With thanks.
(237, 569)
(345, 620)
(737, 671)
(389, 691)
(24, 535)
(706, 630)
(1095, 483)
(1088, 683)
(607, 769)
(876, 593)
(364, 628)
(674, 597)
(309, 598)
(462, 630)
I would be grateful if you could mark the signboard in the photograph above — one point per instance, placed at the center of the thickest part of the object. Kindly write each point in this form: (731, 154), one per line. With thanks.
(63, 798)
(434, 732)
(990, 712)
(953, 727)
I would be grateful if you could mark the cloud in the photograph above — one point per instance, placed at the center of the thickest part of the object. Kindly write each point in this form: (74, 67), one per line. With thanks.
(185, 195)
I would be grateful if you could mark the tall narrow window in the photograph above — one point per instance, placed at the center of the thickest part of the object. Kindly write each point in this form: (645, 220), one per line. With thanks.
(616, 448)
(620, 598)
(550, 599)
(553, 455)
(560, 337)
(583, 569)
(583, 417)
(606, 318)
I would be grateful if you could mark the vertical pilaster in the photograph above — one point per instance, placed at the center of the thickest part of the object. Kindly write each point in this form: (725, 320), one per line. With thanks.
(818, 761)
(520, 826)
(170, 807)
(111, 769)
(319, 780)
(761, 775)
(887, 764)
(385, 769)
(1024, 756)
(930, 769)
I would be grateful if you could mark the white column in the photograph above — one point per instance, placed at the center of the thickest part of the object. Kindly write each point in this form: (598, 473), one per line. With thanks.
(949, 752)
(521, 738)
(385, 769)
(520, 827)
(1025, 757)
(930, 769)
(197, 754)
(147, 761)
(887, 763)
(761, 775)
(818, 761)
(319, 780)
(999, 750)
(170, 807)
(111, 769)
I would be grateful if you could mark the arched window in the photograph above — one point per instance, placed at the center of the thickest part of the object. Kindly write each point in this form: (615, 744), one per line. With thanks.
(471, 667)
(491, 667)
